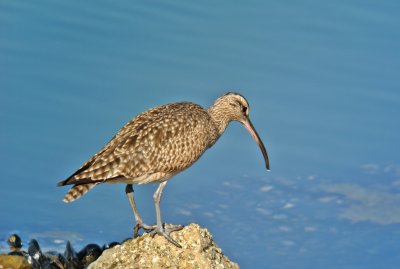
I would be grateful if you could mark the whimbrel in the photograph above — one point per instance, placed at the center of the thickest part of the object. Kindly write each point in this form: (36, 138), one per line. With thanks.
(156, 145)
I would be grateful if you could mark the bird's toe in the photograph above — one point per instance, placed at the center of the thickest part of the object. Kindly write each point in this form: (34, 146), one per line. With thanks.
(166, 231)
(142, 225)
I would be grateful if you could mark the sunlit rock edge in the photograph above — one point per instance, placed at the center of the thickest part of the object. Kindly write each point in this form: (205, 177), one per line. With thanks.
(198, 251)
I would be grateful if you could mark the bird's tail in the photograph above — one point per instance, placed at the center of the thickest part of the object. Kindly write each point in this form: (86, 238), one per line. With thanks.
(77, 191)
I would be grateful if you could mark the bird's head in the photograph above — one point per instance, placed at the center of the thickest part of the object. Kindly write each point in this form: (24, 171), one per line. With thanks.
(234, 107)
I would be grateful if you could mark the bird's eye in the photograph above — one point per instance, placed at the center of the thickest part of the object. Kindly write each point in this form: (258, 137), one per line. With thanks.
(244, 109)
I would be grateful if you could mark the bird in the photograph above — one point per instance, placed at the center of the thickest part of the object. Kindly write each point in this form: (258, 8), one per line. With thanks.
(156, 145)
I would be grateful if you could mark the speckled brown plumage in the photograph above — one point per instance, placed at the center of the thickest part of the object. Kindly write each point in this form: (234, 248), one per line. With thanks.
(159, 143)
(156, 144)
(153, 146)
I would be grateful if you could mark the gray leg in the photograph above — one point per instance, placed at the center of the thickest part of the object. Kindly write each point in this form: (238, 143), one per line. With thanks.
(160, 228)
(138, 219)
(157, 200)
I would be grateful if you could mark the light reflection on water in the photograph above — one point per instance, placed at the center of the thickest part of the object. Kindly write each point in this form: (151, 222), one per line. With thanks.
(322, 83)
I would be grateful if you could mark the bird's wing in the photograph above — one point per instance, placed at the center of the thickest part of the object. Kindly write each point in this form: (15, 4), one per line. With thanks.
(164, 139)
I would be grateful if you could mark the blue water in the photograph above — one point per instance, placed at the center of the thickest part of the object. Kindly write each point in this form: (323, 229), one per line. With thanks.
(322, 80)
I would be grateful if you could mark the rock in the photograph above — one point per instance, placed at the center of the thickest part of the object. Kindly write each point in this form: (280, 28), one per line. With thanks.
(13, 262)
(198, 251)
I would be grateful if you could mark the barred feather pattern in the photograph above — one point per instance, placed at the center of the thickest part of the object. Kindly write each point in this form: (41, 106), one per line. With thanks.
(157, 144)
(77, 191)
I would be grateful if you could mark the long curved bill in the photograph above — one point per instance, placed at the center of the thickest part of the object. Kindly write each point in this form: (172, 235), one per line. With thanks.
(249, 126)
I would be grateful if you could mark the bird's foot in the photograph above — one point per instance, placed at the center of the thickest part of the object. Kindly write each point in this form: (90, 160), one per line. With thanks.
(141, 225)
(165, 231)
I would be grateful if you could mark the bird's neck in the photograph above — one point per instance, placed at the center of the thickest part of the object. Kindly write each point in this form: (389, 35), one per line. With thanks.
(219, 118)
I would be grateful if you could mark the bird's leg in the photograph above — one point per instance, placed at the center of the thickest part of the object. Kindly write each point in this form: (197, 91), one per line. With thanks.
(157, 200)
(160, 229)
(139, 221)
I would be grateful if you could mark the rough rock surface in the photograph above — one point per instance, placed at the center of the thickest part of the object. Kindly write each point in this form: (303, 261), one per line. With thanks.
(198, 251)
(13, 262)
